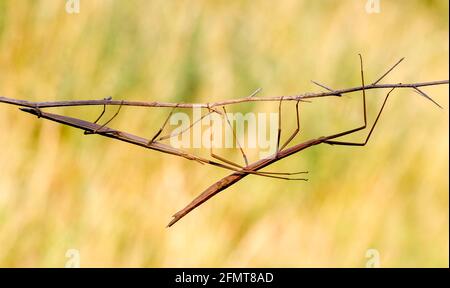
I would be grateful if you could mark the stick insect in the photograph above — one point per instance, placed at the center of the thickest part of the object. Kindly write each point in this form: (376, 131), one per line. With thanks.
(238, 171)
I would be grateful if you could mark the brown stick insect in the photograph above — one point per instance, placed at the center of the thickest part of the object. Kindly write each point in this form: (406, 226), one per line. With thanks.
(238, 171)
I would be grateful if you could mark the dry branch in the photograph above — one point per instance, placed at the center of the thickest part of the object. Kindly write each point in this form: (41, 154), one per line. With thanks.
(304, 96)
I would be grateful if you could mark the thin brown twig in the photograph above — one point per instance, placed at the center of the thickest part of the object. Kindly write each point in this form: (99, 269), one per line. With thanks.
(297, 97)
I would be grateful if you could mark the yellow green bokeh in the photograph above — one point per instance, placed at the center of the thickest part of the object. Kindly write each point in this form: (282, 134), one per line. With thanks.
(111, 201)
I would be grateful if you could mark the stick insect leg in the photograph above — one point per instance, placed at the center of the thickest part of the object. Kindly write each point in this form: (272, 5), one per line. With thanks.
(234, 135)
(258, 173)
(243, 170)
(235, 167)
(296, 130)
(364, 110)
(100, 116)
(104, 109)
(109, 121)
(344, 143)
(163, 126)
(365, 114)
(332, 142)
(237, 141)
(279, 126)
(238, 168)
(184, 130)
(211, 138)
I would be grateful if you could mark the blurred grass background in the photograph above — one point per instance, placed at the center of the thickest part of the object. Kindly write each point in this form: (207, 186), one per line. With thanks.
(111, 201)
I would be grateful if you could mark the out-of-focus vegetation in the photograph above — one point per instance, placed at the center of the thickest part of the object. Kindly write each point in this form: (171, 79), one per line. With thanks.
(60, 190)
